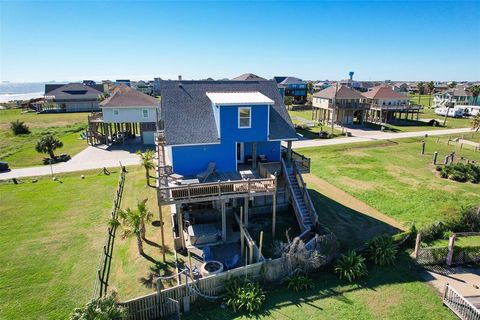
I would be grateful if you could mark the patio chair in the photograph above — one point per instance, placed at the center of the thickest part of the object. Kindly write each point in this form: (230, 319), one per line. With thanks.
(207, 254)
(203, 176)
(233, 263)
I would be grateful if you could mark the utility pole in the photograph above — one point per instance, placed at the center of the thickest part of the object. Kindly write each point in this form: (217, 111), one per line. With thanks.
(334, 104)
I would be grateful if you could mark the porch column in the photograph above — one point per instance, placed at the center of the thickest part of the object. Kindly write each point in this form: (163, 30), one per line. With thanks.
(274, 213)
(254, 156)
(245, 217)
(289, 151)
(224, 222)
(180, 225)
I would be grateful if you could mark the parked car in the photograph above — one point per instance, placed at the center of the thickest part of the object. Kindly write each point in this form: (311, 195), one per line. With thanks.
(3, 166)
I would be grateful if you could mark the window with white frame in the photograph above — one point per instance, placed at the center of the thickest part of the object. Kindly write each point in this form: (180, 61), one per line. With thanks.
(244, 117)
(145, 113)
(115, 112)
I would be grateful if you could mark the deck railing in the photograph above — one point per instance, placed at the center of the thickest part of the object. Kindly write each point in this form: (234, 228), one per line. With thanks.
(463, 308)
(306, 196)
(197, 191)
(303, 162)
(396, 107)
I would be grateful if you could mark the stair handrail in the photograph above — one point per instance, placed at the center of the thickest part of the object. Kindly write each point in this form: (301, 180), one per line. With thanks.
(296, 206)
(306, 195)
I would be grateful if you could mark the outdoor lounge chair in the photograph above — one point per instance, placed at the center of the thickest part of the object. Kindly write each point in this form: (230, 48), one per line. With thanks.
(203, 176)
(233, 263)
(207, 254)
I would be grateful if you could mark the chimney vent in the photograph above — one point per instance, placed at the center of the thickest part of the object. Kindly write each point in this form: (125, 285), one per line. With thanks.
(180, 78)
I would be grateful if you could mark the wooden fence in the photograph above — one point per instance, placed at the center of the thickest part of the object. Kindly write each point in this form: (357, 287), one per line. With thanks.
(463, 308)
(103, 270)
(170, 301)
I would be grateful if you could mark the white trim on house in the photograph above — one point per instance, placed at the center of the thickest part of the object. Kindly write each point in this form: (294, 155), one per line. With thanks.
(192, 144)
(249, 117)
(239, 98)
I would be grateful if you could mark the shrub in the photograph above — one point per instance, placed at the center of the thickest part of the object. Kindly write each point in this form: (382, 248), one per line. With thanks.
(351, 266)
(48, 144)
(300, 282)
(382, 250)
(19, 127)
(433, 232)
(100, 308)
(244, 295)
(461, 172)
(447, 234)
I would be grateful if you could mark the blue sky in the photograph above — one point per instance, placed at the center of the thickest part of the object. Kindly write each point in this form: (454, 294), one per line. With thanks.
(74, 40)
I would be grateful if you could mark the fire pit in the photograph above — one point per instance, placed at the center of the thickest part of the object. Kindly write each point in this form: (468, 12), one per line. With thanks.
(211, 267)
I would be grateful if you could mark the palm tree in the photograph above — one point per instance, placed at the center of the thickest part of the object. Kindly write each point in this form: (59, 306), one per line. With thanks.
(146, 160)
(48, 144)
(431, 89)
(421, 89)
(475, 123)
(133, 222)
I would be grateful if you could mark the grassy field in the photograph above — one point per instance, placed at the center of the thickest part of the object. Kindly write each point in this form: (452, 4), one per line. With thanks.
(128, 267)
(421, 99)
(387, 293)
(50, 243)
(19, 151)
(461, 242)
(394, 178)
(311, 133)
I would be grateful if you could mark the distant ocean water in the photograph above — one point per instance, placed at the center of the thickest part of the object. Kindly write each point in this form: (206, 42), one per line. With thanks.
(21, 91)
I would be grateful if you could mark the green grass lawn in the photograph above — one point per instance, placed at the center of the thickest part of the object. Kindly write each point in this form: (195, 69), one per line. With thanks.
(462, 242)
(19, 151)
(393, 292)
(394, 178)
(50, 243)
(311, 133)
(425, 100)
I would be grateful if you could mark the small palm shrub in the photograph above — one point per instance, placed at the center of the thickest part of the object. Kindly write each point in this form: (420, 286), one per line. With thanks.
(351, 266)
(19, 127)
(300, 282)
(244, 295)
(100, 308)
(382, 250)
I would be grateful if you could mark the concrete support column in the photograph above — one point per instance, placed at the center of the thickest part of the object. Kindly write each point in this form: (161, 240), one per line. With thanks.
(289, 151)
(180, 225)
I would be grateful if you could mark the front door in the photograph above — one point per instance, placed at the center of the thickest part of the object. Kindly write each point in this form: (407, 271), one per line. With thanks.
(240, 157)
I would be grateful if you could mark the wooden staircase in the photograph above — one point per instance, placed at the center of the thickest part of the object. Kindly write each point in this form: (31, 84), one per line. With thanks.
(301, 201)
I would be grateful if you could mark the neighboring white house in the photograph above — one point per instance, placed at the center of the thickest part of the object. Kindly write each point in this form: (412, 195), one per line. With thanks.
(127, 114)
(457, 96)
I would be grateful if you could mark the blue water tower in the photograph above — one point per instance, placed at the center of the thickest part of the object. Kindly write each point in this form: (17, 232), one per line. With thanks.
(350, 74)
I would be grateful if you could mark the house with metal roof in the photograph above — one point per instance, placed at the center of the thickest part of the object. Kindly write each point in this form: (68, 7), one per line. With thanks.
(456, 96)
(388, 105)
(221, 163)
(339, 105)
(248, 77)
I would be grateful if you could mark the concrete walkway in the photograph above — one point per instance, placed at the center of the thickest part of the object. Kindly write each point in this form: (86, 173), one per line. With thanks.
(90, 158)
(360, 135)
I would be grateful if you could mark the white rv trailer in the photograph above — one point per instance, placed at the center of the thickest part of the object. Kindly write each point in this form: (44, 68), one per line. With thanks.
(455, 112)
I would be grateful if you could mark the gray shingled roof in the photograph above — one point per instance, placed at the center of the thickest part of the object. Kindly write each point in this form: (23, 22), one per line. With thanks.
(188, 116)
(74, 91)
(249, 77)
(49, 87)
(127, 97)
(292, 80)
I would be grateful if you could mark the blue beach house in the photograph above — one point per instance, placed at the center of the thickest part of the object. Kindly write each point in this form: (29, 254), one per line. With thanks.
(228, 123)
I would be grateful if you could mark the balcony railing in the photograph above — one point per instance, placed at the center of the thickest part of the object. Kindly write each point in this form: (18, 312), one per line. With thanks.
(396, 106)
(215, 190)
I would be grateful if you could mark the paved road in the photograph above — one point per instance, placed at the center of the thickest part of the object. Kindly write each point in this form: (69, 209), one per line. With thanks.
(370, 135)
(89, 158)
(99, 157)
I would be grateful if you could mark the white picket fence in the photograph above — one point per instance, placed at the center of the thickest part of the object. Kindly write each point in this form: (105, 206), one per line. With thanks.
(463, 308)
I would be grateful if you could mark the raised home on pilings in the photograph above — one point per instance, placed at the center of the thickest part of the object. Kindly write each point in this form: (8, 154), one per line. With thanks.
(128, 117)
(340, 105)
(387, 105)
(221, 162)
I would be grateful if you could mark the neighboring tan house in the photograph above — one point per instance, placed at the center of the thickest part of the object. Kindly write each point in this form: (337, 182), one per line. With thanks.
(400, 87)
(128, 116)
(340, 104)
(387, 104)
(72, 97)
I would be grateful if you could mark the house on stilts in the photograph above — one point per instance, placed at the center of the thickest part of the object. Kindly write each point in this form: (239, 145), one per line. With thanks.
(222, 168)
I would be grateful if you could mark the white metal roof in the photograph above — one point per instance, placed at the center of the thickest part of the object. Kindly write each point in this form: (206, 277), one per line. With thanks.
(239, 98)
